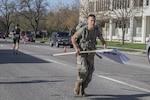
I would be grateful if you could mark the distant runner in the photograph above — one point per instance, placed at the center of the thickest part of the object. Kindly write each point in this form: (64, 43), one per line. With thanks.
(16, 38)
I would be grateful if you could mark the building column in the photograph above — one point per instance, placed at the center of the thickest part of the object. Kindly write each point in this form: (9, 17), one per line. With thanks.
(143, 29)
(132, 29)
(110, 29)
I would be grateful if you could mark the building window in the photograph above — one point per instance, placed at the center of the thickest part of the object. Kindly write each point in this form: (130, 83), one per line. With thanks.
(102, 5)
(120, 4)
(91, 6)
(147, 2)
(138, 3)
(97, 6)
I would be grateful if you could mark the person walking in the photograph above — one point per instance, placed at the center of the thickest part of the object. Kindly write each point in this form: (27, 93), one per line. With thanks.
(84, 39)
(16, 39)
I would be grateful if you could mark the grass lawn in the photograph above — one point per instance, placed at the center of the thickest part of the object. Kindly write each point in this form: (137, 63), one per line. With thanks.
(126, 47)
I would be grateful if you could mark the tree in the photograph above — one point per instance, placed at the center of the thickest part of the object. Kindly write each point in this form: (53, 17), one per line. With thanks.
(33, 11)
(85, 8)
(73, 19)
(64, 18)
(6, 12)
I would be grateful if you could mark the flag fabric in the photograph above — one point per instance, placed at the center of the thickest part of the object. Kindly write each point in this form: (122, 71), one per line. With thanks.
(114, 55)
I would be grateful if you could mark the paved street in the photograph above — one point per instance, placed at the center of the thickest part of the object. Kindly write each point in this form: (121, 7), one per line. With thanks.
(34, 74)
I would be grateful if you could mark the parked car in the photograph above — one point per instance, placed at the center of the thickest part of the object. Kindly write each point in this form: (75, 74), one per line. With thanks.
(29, 37)
(148, 49)
(2, 35)
(60, 39)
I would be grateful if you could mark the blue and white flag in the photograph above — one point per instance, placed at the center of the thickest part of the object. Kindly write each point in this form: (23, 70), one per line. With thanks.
(114, 55)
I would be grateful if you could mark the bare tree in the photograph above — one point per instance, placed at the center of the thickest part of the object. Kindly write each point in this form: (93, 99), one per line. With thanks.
(84, 9)
(63, 17)
(33, 10)
(73, 18)
(122, 11)
(6, 12)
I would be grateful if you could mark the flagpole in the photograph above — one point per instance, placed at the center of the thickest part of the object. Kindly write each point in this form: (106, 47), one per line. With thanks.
(81, 52)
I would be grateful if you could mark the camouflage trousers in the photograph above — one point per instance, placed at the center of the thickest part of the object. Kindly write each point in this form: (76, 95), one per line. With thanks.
(85, 66)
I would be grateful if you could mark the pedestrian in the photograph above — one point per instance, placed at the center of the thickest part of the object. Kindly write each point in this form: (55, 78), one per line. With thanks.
(16, 39)
(84, 39)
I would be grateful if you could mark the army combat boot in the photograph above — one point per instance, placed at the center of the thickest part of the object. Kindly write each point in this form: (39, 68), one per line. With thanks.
(82, 91)
(77, 88)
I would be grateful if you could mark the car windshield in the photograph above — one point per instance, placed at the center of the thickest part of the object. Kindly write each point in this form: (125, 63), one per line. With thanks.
(63, 34)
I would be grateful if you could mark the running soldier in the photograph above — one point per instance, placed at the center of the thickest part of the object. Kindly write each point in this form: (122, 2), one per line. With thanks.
(84, 39)
(16, 39)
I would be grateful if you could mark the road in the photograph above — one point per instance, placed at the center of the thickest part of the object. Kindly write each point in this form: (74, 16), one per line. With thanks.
(34, 74)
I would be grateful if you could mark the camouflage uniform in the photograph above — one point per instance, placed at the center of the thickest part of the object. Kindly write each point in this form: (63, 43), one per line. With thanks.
(85, 62)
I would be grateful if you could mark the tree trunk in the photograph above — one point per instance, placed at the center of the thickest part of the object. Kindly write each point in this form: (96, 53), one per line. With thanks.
(123, 34)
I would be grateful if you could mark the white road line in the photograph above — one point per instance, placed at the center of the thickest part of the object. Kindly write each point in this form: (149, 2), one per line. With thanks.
(1, 45)
(105, 77)
(59, 63)
(121, 82)
(37, 46)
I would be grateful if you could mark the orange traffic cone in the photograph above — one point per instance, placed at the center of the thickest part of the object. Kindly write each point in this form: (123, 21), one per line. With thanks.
(64, 48)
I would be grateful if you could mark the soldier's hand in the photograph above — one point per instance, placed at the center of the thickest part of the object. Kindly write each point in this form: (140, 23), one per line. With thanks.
(105, 46)
(77, 51)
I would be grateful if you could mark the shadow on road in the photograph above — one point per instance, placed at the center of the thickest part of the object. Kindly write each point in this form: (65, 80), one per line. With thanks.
(7, 56)
(32, 81)
(120, 97)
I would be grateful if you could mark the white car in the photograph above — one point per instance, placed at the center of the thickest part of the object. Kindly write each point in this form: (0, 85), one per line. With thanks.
(148, 49)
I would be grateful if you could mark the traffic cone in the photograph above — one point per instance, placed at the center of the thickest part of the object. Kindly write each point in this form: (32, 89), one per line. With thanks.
(64, 48)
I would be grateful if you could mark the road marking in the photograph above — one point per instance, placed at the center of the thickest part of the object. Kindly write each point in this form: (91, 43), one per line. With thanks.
(121, 82)
(1, 45)
(105, 77)
(59, 63)
(37, 46)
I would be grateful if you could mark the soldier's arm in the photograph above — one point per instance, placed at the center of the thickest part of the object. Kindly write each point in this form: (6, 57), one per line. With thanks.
(103, 42)
(73, 39)
(14, 32)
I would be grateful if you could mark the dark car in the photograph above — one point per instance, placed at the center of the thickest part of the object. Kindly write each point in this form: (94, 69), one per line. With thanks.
(148, 49)
(60, 39)
(29, 37)
(2, 35)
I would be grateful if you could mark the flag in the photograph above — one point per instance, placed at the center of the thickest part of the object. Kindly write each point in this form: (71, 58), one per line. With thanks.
(114, 55)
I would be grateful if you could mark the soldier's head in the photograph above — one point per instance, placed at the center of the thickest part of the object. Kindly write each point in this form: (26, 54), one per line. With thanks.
(91, 21)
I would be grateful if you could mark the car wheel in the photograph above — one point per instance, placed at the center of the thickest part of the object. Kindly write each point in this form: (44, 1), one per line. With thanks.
(57, 44)
(51, 44)
(148, 56)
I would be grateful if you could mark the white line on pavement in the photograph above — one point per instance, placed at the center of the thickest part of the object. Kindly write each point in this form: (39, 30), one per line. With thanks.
(37, 46)
(121, 82)
(105, 77)
(59, 63)
(1, 45)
